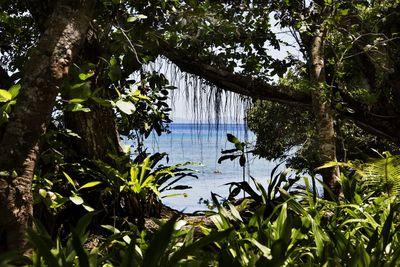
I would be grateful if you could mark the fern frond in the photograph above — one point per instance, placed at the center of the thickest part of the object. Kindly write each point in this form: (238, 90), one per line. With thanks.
(383, 172)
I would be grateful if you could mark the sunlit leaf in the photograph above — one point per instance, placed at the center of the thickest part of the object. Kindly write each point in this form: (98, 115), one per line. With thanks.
(69, 179)
(90, 184)
(126, 107)
(5, 95)
(85, 76)
(77, 200)
(87, 207)
(14, 90)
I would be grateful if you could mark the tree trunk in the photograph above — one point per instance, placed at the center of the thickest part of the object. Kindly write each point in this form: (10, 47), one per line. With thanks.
(98, 132)
(48, 64)
(321, 102)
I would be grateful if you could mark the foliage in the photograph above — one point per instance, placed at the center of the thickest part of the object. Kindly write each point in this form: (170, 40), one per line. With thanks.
(130, 190)
(287, 133)
(275, 226)
(8, 99)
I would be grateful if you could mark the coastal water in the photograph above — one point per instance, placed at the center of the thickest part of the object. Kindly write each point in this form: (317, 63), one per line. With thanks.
(202, 143)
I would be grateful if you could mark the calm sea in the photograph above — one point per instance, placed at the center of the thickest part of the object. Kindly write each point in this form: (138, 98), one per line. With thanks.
(202, 143)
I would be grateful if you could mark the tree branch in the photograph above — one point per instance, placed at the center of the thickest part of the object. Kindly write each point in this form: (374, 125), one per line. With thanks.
(244, 85)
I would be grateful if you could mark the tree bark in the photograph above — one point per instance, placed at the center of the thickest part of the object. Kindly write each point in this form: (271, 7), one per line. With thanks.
(98, 132)
(321, 102)
(48, 64)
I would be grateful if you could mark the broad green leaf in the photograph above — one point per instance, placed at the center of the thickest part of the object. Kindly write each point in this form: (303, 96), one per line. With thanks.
(111, 228)
(127, 239)
(126, 107)
(266, 251)
(42, 192)
(5, 95)
(14, 90)
(77, 200)
(87, 207)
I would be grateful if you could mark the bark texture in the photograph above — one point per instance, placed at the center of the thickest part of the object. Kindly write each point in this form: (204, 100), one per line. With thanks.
(98, 132)
(97, 128)
(321, 101)
(48, 64)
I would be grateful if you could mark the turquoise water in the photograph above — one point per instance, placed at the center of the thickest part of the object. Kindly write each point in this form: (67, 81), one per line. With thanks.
(202, 143)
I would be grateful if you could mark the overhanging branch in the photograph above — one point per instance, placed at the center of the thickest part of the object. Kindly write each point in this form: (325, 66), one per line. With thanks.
(259, 89)
(247, 86)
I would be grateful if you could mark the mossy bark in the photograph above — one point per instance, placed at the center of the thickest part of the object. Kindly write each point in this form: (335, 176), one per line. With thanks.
(45, 69)
(321, 102)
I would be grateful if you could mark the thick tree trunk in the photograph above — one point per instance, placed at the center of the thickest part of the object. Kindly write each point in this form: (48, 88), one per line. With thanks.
(321, 102)
(48, 64)
(98, 132)
(97, 128)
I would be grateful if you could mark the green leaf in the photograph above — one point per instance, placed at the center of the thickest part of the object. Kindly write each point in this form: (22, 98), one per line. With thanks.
(115, 73)
(76, 100)
(266, 251)
(126, 107)
(113, 61)
(69, 180)
(43, 192)
(90, 184)
(88, 208)
(344, 12)
(192, 248)
(159, 244)
(232, 139)
(136, 17)
(43, 247)
(234, 212)
(5, 95)
(77, 200)
(80, 251)
(111, 228)
(76, 107)
(14, 90)
(85, 76)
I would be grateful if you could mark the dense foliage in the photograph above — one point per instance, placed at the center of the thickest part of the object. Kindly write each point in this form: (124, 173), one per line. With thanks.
(73, 76)
(281, 224)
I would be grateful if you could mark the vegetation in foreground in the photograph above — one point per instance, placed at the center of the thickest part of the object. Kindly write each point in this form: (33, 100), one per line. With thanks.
(283, 224)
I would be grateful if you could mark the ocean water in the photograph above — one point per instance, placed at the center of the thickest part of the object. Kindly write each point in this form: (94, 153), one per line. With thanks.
(202, 143)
